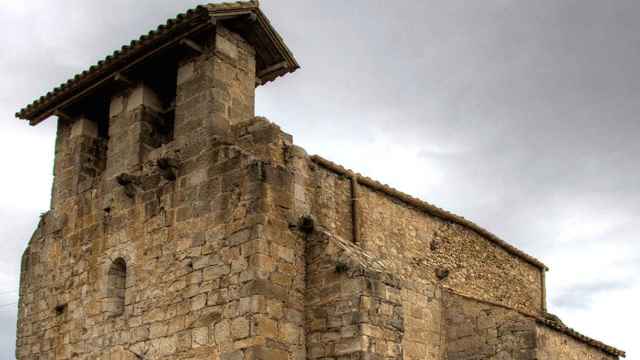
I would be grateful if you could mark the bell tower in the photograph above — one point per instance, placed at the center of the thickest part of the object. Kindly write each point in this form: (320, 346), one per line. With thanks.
(151, 248)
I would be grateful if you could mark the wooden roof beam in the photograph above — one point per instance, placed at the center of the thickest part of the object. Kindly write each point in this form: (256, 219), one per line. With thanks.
(272, 68)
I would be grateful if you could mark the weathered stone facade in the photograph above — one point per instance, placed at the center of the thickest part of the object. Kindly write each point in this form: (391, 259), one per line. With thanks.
(182, 226)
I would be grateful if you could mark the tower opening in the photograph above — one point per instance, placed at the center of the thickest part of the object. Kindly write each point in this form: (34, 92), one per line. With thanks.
(116, 287)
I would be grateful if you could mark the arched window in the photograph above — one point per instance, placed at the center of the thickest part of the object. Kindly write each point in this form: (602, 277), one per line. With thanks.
(116, 287)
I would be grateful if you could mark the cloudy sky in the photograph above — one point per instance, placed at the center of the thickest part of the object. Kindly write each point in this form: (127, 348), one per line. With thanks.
(520, 115)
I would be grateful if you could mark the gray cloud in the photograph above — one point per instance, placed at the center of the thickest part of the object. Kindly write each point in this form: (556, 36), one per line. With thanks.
(519, 115)
(580, 296)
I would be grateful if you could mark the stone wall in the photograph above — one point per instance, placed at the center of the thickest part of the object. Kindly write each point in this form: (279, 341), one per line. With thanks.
(423, 322)
(130, 131)
(280, 262)
(552, 344)
(479, 330)
(235, 74)
(429, 244)
(187, 269)
(421, 245)
(354, 309)
(80, 159)
(216, 89)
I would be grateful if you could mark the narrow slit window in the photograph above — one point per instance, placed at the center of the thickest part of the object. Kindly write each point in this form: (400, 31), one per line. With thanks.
(116, 287)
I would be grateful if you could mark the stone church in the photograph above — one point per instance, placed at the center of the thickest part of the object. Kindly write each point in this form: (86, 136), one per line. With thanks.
(182, 226)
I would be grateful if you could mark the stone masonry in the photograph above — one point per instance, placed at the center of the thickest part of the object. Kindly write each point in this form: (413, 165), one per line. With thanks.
(184, 227)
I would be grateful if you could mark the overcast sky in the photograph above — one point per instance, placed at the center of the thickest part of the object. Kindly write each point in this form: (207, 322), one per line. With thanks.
(519, 115)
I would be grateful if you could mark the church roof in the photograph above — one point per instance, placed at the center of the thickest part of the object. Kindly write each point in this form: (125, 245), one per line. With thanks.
(273, 58)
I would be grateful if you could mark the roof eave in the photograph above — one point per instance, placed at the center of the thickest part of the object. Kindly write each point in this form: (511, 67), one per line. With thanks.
(128, 56)
(82, 84)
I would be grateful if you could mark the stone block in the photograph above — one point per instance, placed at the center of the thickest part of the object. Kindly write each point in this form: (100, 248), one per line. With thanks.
(142, 95)
(186, 72)
(351, 345)
(200, 336)
(198, 302)
(264, 326)
(84, 127)
(222, 332)
(240, 328)
(232, 355)
(116, 106)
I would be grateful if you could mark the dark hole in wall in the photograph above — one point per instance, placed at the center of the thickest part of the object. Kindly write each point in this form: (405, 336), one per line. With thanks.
(60, 309)
(116, 287)
(99, 113)
(161, 76)
(103, 129)
(341, 267)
